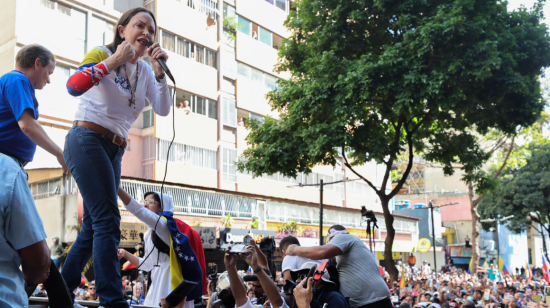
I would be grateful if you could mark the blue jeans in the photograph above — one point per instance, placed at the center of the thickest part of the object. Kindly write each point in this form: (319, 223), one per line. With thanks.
(57, 262)
(95, 163)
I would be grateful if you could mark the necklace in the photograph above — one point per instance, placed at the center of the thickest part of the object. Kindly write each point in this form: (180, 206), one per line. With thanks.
(133, 89)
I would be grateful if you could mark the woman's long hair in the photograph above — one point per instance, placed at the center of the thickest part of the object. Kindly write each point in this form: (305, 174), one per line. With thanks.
(123, 21)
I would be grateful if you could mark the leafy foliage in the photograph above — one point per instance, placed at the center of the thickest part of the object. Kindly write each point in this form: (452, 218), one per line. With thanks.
(232, 25)
(523, 191)
(227, 221)
(376, 78)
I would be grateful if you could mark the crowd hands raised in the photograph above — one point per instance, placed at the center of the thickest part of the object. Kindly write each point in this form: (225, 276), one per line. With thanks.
(456, 288)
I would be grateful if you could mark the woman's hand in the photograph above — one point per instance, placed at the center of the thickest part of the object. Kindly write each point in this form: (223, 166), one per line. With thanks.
(124, 52)
(155, 52)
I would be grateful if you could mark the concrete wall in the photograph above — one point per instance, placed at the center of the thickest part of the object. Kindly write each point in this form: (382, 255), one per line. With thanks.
(57, 213)
(133, 155)
(192, 129)
(435, 180)
(257, 54)
(462, 228)
(186, 174)
(7, 37)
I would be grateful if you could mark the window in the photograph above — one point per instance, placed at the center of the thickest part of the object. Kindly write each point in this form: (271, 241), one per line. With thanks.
(168, 41)
(246, 26)
(200, 54)
(264, 82)
(229, 112)
(266, 36)
(270, 82)
(257, 117)
(198, 104)
(101, 32)
(212, 109)
(187, 155)
(228, 10)
(210, 58)
(244, 70)
(201, 105)
(229, 168)
(183, 47)
(148, 115)
(281, 4)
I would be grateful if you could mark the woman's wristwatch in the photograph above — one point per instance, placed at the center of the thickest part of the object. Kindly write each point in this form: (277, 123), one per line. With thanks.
(257, 270)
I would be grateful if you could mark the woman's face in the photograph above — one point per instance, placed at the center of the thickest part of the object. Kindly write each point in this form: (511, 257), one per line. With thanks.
(139, 30)
(151, 204)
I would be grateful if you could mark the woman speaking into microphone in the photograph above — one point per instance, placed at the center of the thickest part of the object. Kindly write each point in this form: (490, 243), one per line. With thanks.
(112, 83)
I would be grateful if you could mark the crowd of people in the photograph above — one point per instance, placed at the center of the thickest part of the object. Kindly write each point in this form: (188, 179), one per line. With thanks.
(455, 287)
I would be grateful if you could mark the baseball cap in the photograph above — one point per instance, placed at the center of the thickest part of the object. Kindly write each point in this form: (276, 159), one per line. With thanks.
(304, 269)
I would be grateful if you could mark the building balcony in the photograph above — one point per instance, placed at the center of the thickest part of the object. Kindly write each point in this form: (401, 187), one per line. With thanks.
(269, 14)
(193, 76)
(184, 173)
(191, 129)
(190, 19)
(256, 53)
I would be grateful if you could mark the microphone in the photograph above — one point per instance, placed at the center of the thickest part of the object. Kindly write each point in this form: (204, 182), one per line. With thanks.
(163, 64)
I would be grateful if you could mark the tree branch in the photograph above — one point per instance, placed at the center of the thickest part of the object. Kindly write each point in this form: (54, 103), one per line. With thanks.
(355, 172)
(407, 171)
(505, 160)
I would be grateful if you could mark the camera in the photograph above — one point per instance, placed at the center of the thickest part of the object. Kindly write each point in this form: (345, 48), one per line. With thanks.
(213, 274)
(368, 213)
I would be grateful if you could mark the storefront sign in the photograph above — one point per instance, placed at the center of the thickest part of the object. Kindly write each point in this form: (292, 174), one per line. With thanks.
(424, 245)
(395, 255)
(129, 234)
(208, 237)
(460, 251)
(230, 236)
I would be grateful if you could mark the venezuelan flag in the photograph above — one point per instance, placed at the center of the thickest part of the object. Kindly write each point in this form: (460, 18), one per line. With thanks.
(528, 272)
(184, 264)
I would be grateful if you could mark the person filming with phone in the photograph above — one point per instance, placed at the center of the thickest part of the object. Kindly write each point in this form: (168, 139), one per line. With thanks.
(250, 256)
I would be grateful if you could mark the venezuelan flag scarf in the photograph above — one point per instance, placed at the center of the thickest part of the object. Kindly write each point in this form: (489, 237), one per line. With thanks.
(184, 263)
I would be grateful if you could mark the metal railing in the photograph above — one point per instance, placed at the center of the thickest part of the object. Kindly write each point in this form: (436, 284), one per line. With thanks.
(53, 187)
(208, 7)
(196, 202)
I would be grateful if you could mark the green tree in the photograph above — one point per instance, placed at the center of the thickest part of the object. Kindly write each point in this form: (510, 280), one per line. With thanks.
(373, 79)
(523, 192)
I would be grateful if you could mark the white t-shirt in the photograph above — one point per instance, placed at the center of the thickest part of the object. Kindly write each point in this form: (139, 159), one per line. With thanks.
(296, 262)
(250, 305)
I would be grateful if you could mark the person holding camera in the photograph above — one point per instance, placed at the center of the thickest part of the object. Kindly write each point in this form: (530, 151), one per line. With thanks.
(250, 256)
(324, 290)
(359, 277)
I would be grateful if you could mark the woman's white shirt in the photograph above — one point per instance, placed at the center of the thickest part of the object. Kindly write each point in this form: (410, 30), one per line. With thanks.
(108, 103)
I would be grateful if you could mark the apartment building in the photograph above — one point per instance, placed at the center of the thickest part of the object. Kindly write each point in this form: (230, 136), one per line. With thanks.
(222, 75)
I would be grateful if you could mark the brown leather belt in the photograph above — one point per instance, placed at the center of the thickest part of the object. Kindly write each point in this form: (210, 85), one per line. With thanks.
(116, 139)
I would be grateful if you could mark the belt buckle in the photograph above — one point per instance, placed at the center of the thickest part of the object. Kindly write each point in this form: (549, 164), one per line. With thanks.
(114, 139)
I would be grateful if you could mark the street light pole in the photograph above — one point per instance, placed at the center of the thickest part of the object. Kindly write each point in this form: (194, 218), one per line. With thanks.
(433, 236)
(321, 213)
(498, 221)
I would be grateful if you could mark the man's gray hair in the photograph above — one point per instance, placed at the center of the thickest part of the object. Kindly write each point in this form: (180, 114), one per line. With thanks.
(27, 56)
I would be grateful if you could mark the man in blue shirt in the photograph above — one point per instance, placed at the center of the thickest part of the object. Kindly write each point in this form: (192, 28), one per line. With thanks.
(22, 236)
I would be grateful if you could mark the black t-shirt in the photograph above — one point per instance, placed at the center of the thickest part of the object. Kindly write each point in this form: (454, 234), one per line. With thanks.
(332, 297)
(405, 305)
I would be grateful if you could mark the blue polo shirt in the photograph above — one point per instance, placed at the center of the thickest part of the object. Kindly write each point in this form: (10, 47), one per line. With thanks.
(16, 95)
